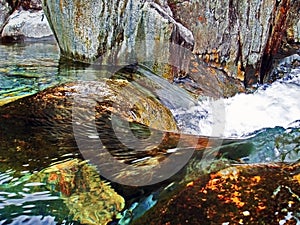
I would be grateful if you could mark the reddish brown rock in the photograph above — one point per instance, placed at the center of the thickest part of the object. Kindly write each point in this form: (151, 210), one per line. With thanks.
(246, 194)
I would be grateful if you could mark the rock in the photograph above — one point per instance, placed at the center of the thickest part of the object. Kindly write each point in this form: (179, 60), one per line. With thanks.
(89, 199)
(134, 128)
(23, 25)
(25, 4)
(293, 31)
(234, 34)
(237, 37)
(239, 194)
(31, 4)
(49, 114)
(144, 31)
(115, 96)
(125, 26)
(5, 11)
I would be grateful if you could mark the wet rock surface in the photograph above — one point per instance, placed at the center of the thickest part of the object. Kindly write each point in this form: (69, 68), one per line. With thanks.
(48, 115)
(89, 199)
(248, 194)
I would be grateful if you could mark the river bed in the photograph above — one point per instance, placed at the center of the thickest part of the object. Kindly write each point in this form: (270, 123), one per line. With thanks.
(266, 121)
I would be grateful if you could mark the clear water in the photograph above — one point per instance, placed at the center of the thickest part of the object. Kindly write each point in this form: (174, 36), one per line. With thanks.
(267, 120)
(26, 69)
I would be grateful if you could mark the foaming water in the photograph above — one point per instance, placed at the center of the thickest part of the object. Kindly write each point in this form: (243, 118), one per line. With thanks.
(269, 106)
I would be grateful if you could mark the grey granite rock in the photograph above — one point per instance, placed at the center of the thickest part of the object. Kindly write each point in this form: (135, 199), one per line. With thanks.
(28, 24)
(5, 10)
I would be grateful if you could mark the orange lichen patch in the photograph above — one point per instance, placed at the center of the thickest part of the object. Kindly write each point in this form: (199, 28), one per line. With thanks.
(53, 177)
(256, 179)
(190, 184)
(297, 178)
(261, 206)
(235, 198)
(61, 5)
(240, 72)
(245, 194)
(201, 19)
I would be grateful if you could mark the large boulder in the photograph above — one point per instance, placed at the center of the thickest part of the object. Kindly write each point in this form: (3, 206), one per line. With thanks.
(23, 24)
(144, 31)
(239, 36)
(87, 30)
(24, 20)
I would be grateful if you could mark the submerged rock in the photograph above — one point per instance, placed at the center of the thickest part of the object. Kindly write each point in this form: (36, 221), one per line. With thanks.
(89, 199)
(44, 120)
(258, 193)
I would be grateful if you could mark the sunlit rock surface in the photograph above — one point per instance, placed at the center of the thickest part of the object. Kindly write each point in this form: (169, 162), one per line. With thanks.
(247, 194)
(87, 30)
(239, 37)
(234, 34)
(22, 25)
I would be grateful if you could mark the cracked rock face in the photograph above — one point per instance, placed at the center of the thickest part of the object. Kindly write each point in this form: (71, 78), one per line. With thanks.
(90, 29)
(236, 35)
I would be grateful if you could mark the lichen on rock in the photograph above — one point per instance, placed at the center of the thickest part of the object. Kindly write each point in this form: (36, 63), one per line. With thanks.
(259, 193)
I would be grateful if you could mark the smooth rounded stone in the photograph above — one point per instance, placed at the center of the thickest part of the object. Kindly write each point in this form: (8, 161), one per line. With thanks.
(5, 11)
(89, 199)
(258, 193)
(23, 25)
(116, 96)
(40, 120)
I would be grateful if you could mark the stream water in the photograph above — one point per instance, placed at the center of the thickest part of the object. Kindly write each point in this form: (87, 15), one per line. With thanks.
(268, 120)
